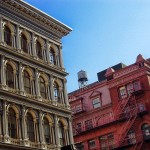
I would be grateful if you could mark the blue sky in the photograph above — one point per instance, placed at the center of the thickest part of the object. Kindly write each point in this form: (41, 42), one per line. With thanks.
(105, 32)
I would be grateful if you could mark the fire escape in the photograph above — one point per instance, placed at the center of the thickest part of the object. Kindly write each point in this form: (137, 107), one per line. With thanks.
(128, 111)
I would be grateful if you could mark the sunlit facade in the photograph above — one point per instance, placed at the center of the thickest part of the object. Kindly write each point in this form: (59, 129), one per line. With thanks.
(34, 108)
(114, 112)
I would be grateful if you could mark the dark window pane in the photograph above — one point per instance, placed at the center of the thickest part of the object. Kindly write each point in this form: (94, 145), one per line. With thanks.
(42, 88)
(30, 127)
(7, 36)
(24, 43)
(12, 124)
(27, 86)
(46, 130)
(9, 76)
(39, 50)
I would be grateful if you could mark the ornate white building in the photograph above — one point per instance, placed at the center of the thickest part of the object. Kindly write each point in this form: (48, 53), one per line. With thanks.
(34, 109)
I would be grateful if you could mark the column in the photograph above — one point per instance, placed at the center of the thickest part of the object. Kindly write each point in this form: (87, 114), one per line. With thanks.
(65, 94)
(21, 85)
(48, 51)
(71, 131)
(3, 76)
(41, 132)
(51, 88)
(18, 37)
(34, 45)
(5, 122)
(1, 30)
(1, 113)
(24, 126)
(61, 60)
(56, 131)
(37, 84)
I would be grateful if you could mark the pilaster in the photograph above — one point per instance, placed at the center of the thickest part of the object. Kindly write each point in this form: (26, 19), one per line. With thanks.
(21, 84)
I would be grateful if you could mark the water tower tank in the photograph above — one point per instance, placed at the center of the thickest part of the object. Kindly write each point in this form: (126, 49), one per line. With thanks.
(82, 78)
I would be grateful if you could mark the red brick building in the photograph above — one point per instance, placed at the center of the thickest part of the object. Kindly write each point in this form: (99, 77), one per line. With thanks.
(113, 113)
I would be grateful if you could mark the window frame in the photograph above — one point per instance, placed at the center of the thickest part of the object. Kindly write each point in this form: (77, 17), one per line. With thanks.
(30, 127)
(12, 124)
(10, 76)
(99, 102)
(26, 77)
(7, 36)
(24, 43)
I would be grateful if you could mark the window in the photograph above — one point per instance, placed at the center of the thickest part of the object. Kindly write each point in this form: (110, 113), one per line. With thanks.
(146, 131)
(12, 128)
(30, 127)
(88, 124)
(24, 43)
(61, 134)
(73, 109)
(9, 76)
(96, 103)
(27, 85)
(56, 91)
(42, 88)
(46, 131)
(91, 144)
(7, 36)
(122, 92)
(131, 136)
(129, 88)
(79, 127)
(39, 50)
(52, 56)
(79, 146)
(107, 141)
(137, 86)
(78, 108)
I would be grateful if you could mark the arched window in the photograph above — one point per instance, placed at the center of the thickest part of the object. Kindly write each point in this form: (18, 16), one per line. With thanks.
(24, 43)
(39, 50)
(27, 85)
(56, 91)
(42, 87)
(61, 133)
(12, 128)
(7, 36)
(46, 131)
(9, 76)
(30, 128)
(52, 56)
(146, 131)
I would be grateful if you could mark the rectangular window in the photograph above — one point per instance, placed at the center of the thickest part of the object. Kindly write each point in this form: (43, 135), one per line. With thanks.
(88, 124)
(129, 88)
(107, 141)
(73, 109)
(96, 103)
(122, 92)
(78, 108)
(137, 85)
(91, 144)
(79, 127)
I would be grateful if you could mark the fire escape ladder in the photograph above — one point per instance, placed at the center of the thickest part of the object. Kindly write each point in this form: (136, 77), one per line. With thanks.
(138, 146)
(132, 117)
(121, 106)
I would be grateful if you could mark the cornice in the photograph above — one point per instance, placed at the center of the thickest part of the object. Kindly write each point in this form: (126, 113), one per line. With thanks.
(37, 16)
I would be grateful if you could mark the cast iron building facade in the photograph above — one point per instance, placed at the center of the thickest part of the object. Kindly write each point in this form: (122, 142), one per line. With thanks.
(34, 109)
